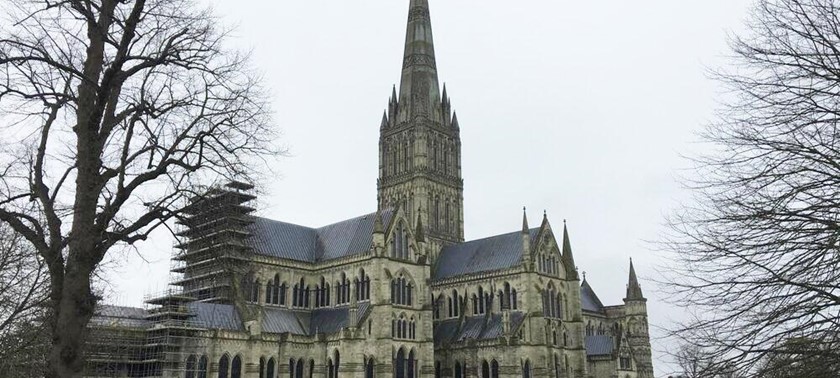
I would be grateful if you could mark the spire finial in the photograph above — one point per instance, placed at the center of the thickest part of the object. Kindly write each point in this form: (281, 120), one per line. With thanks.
(525, 227)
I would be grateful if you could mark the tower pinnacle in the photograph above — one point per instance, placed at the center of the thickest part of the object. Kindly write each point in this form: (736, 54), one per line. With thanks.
(634, 290)
(524, 221)
(567, 256)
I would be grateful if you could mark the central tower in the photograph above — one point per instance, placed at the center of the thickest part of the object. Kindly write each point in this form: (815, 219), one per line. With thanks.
(420, 143)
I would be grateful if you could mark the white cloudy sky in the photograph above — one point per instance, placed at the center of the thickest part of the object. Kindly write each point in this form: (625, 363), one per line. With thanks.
(581, 108)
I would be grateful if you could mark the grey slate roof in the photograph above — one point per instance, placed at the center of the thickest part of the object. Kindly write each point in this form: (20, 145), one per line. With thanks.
(332, 320)
(215, 316)
(119, 316)
(279, 320)
(599, 345)
(483, 255)
(294, 242)
(588, 300)
(327, 320)
(474, 328)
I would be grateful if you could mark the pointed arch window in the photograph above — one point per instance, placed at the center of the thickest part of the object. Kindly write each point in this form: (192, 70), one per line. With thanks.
(251, 289)
(269, 369)
(269, 292)
(399, 364)
(401, 291)
(400, 243)
(299, 368)
(458, 372)
(436, 305)
(342, 290)
(436, 220)
(446, 219)
(485, 369)
(236, 367)
(369, 367)
(494, 369)
(435, 155)
(552, 303)
(190, 368)
(322, 294)
(454, 304)
(224, 366)
(396, 162)
(311, 368)
(405, 157)
(509, 297)
(411, 365)
(202, 367)
(362, 291)
(526, 369)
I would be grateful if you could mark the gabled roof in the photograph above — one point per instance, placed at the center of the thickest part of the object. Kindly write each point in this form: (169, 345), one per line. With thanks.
(474, 328)
(589, 300)
(326, 320)
(599, 345)
(299, 243)
(332, 320)
(483, 255)
(281, 320)
(215, 316)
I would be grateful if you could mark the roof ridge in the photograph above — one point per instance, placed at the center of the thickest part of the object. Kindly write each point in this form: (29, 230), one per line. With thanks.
(319, 228)
(491, 237)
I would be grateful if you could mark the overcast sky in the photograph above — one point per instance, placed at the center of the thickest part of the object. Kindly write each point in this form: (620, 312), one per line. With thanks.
(581, 108)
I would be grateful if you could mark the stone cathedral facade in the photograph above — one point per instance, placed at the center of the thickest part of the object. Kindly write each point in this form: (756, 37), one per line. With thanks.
(394, 293)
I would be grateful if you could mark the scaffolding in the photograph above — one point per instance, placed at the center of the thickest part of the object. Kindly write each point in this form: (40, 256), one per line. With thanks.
(216, 250)
(210, 264)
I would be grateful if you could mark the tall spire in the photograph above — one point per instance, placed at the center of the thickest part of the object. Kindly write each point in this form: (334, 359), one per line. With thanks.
(634, 290)
(420, 143)
(419, 88)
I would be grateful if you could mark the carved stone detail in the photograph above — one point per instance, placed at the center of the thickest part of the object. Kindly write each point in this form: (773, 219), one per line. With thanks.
(418, 13)
(419, 60)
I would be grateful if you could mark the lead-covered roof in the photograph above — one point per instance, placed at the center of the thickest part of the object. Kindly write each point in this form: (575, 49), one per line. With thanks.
(300, 243)
(483, 255)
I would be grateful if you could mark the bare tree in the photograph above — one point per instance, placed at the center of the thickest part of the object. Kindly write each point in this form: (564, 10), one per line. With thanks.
(23, 284)
(695, 362)
(756, 254)
(787, 362)
(115, 111)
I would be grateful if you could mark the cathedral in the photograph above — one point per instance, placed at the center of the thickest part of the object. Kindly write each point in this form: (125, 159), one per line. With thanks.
(394, 293)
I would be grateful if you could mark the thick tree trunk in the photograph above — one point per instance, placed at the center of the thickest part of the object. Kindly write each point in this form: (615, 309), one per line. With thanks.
(69, 326)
